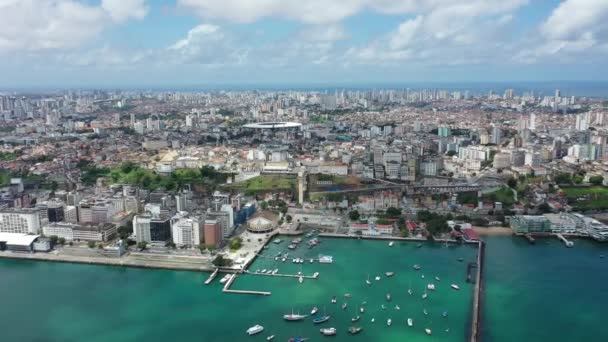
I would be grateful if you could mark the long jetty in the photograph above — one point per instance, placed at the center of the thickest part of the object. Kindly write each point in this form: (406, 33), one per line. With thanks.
(226, 288)
(212, 276)
(478, 289)
(283, 275)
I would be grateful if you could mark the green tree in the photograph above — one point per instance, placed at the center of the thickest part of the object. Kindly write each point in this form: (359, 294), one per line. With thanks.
(142, 245)
(354, 215)
(393, 212)
(596, 180)
(578, 179)
(236, 243)
(170, 244)
(221, 261)
(91, 244)
(263, 205)
(61, 241)
(53, 239)
(544, 208)
(125, 231)
(288, 218)
(451, 153)
(512, 183)
(563, 178)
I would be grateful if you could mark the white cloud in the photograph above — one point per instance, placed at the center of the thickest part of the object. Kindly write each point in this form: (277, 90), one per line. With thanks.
(121, 10)
(328, 11)
(574, 29)
(35, 25)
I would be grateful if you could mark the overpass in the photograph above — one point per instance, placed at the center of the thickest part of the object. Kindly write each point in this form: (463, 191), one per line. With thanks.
(412, 190)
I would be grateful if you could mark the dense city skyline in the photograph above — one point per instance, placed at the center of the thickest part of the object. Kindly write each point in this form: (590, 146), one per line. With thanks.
(189, 42)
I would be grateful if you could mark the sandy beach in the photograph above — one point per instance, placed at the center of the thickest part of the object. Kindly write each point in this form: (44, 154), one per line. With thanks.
(492, 231)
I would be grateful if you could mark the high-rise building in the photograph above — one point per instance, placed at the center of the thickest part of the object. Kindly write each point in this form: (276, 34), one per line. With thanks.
(213, 233)
(150, 228)
(444, 131)
(187, 231)
(24, 221)
(532, 122)
(496, 135)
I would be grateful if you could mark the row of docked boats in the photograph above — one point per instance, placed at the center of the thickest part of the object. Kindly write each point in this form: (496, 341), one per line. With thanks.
(265, 271)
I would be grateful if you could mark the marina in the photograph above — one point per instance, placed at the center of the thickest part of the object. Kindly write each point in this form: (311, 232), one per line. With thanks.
(579, 271)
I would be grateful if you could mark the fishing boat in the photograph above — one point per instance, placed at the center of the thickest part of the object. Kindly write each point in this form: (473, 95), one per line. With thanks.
(377, 278)
(417, 267)
(390, 274)
(410, 322)
(314, 311)
(428, 331)
(256, 329)
(437, 278)
(397, 307)
(321, 319)
(277, 241)
(294, 317)
(355, 319)
(354, 330)
(328, 331)
(390, 244)
(388, 297)
(344, 306)
(455, 287)
(444, 314)
(334, 300)
(389, 322)
(431, 287)
(270, 338)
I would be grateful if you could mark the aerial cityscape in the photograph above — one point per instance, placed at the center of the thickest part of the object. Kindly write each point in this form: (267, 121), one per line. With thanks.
(345, 170)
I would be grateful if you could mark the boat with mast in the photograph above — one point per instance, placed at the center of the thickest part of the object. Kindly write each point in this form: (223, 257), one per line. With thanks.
(292, 317)
(354, 330)
(321, 319)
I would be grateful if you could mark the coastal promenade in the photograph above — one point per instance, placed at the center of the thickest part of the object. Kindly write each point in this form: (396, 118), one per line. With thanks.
(170, 263)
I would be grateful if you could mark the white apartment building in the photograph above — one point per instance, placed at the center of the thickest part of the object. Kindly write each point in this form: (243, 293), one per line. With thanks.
(19, 221)
(187, 231)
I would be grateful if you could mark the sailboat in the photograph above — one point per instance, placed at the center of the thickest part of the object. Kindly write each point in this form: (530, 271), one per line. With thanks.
(294, 317)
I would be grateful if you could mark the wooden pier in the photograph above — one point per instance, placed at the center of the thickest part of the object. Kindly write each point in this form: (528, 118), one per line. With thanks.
(567, 242)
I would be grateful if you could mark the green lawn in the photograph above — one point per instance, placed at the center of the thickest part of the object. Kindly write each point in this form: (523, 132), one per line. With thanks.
(265, 182)
(583, 191)
(587, 198)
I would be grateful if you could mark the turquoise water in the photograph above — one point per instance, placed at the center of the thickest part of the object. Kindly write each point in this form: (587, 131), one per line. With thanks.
(545, 292)
(69, 302)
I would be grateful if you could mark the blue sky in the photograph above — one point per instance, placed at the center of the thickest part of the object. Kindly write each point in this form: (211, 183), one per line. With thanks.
(203, 42)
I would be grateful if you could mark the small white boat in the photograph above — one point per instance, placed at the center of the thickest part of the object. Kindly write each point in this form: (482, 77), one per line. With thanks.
(455, 287)
(314, 311)
(410, 322)
(256, 329)
(344, 306)
(424, 295)
(377, 278)
(383, 306)
(276, 258)
(264, 271)
(431, 287)
(312, 260)
(422, 276)
(428, 331)
(373, 320)
(397, 307)
(368, 282)
(390, 274)
(409, 291)
(270, 338)
(284, 259)
(328, 331)
(425, 312)
(301, 279)
(347, 295)
(225, 279)
(437, 278)
(361, 309)
(390, 244)
(334, 300)
(389, 322)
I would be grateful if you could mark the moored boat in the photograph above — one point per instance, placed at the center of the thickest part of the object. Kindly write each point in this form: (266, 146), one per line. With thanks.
(314, 311)
(444, 314)
(388, 297)
(389, 322)
(344, 306)
(354, 330)
(425, 312)
(390, 244)
(270, 338)
(397, 307)
(354, 319)
(301, 279)
(455, 287)
(431, 287)
(328, 331)
(334, 300)
(321, 319)
(428, 331)
(417, 267)
(326, 259)
(410, 322)
(294, 317)
(390, 274)
(437, 278)
(256, 329)
(225, 279)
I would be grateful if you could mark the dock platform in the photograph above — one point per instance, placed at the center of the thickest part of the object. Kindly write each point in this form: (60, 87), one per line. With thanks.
(212, 276)
(283, 275)
(226, 288)
(567, 242)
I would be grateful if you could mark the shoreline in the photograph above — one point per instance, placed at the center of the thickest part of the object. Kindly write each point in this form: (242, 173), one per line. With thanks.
(124, 261)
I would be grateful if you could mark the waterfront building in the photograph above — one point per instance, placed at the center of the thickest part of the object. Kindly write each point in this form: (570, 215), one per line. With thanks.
(19, 242)
(262, 222)
(24, 221)
(212, 233)
(525, 224)
(561, 223)
(151, 228)
(187, 231)
(80, 232)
